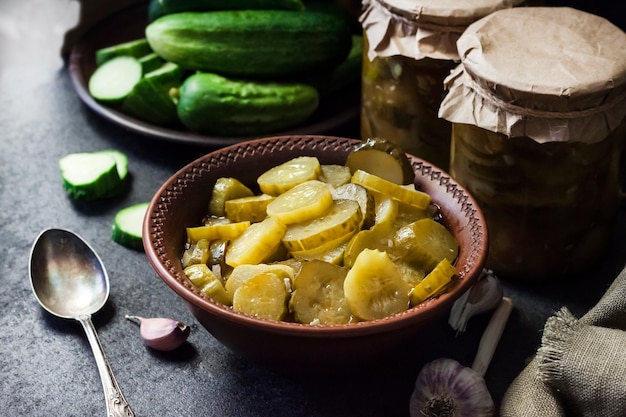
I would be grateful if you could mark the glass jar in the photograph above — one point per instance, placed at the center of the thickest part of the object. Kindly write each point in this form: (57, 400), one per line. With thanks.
(410, 49)
(536, 137)
(550, 207)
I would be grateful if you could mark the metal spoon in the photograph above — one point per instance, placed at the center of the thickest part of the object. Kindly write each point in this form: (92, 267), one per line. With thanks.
(69, 281)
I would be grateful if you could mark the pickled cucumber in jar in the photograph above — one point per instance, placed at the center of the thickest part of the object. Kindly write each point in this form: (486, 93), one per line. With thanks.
(400, 101)
(549, 207)
(536, 139)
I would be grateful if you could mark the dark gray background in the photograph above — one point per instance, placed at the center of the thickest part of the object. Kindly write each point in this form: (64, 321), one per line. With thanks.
(46, 367)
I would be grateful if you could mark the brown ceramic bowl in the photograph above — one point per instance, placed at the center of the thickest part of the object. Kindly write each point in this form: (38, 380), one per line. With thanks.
(183, 200)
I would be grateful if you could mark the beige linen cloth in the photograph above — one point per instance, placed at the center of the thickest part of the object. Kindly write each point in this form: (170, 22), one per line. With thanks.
(580, 368)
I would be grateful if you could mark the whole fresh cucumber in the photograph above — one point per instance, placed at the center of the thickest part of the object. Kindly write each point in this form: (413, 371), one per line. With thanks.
(212, 104)
(252, 43)
(158, 8)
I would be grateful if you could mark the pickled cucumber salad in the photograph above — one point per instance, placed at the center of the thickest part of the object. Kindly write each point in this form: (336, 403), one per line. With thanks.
(320, 245)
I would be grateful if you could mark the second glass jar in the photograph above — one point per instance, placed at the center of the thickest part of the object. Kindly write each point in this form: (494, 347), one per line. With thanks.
(409, 49)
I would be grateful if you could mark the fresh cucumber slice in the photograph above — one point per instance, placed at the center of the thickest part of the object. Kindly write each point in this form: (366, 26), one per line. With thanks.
(88, 176)
(115, 79)
(151, 62)
(135, 48)
(150, 99)
(127, 226)
(121, 161)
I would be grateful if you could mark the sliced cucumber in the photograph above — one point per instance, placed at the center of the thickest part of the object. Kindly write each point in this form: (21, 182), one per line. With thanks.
(127, 226)
(335, 175)
(256, 244)
(252, 209)
(150, 98)
(151, 62)
(434, 283)
(344, 218)
(115, 79)
(318, 297)
(405, 195)
(121, 161)
(135, 48)
(287, 175)
(208, 283)
(226, 188)
(227, 231)
(374, 287)
(382, 158)
(263, 295)
(303, 202)
(89, 176)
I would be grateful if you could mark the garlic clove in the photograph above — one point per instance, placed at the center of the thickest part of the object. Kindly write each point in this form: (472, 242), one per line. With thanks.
(481, 297)
(445, 388)
(160, 333)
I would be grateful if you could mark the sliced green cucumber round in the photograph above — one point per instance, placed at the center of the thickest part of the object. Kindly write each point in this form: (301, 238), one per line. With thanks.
(127, 226)
(115, 79)
(150, 98)
(121, 161)
(89, 176)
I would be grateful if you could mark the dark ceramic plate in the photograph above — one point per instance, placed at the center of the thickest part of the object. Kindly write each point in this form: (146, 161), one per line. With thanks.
(334, 112)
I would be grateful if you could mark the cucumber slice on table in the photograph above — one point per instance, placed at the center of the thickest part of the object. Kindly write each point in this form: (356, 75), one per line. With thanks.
(121, 161)
(127, 226)
(115, 79)
(88, 176)
(93, 175)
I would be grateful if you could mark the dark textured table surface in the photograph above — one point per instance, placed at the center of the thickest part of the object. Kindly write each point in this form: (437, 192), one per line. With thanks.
(46, 366)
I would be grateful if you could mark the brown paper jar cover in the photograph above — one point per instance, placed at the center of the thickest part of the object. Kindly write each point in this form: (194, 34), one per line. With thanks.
(548, 73)
(410, 48)
(537, 105)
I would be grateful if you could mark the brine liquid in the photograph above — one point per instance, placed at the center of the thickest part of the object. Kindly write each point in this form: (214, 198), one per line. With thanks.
(550, 208)
(400, 102)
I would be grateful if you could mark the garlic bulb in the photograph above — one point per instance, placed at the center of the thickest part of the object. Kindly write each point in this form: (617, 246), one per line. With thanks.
(161, 333)
(445, 388)
(483, 296)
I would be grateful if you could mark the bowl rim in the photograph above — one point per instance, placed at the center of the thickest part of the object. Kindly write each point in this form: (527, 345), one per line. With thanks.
(414, 315)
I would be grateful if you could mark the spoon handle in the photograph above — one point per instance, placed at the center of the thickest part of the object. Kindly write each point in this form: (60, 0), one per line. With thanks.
(117, 406)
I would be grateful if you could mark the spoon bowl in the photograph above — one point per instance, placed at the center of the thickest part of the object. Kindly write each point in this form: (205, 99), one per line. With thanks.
(68, 277)
(69, 280)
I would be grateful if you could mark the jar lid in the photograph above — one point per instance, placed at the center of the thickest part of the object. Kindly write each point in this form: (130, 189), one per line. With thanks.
(422, 28)
(548, 73)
